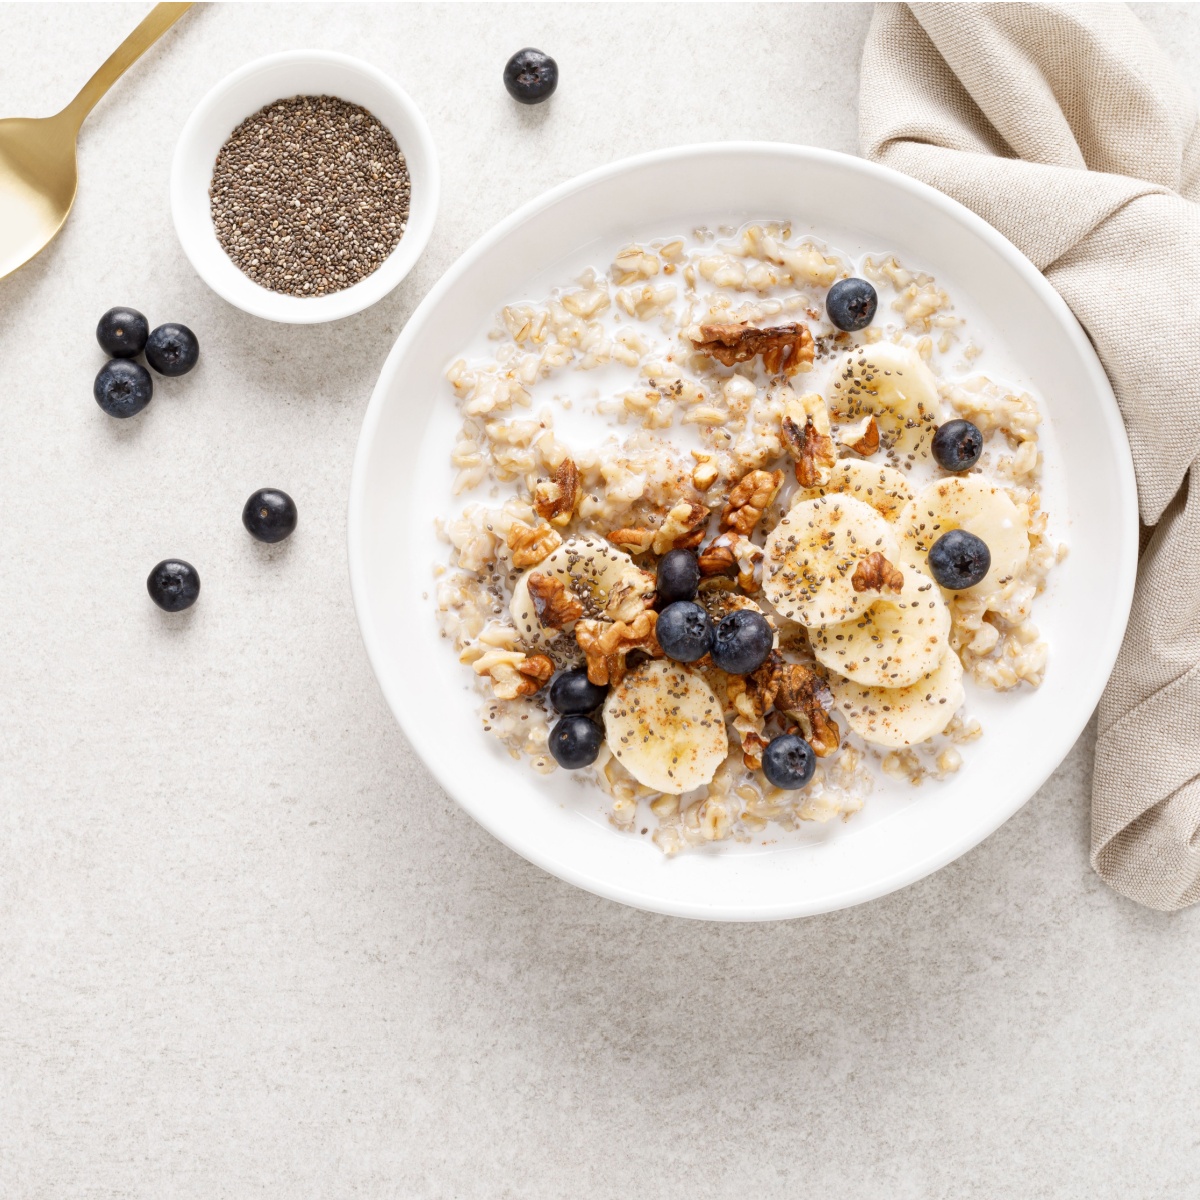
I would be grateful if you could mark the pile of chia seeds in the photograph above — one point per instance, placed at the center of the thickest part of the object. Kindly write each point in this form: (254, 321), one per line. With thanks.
(309, 195)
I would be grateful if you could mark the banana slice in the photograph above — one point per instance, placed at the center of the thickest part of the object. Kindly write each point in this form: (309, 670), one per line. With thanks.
(664, 724)
(589, 567)
(894, 383)
(971, 504)
(883, 488)
(896, 641)
(811, 554)
(897, 717)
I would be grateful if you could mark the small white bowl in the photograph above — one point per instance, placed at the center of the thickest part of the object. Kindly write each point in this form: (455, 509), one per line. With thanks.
(298, 73)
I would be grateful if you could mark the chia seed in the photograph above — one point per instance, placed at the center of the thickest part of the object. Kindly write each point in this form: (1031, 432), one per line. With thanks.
(309, 195)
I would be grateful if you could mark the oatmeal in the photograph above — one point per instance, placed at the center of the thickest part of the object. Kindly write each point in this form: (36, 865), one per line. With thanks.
(771, 574)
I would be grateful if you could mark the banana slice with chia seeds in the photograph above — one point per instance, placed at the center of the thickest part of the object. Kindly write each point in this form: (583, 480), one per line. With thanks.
(893, 383)
(592, 572)
(981, 508)
(884, 488)
(810, 557)
(898, 717)
(664, 725)
(895, 642)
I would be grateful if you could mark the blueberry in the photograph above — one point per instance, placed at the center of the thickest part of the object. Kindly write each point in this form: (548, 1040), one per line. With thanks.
(173, 585)
(575, 741)
(788, 761)
(172, 349)
(531, 76)
(684, 631)
(122, 332)
(851, 304)
(269, 515)
(741, 641)
(678, 576)
(957, 445)
(959, 559)
(123, 387)
(572, 693)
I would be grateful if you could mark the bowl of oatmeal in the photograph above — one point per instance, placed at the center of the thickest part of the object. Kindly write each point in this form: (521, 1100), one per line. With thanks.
(716, 594)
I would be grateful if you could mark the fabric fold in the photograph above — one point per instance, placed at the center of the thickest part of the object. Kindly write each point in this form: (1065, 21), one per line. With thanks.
(1068, 129)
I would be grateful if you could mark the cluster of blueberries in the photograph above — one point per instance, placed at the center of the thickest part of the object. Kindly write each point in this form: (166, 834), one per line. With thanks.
(124, 387)
(738, 643)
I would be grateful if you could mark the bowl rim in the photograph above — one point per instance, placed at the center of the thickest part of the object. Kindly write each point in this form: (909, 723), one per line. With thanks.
(276, 306)
(1124, 569)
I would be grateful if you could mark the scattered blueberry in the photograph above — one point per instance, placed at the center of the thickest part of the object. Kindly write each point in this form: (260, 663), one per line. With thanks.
(788, 761)
(741, 641)
(122, 332)
(172, 349)
(573, 693)
(269, 515)
(851, 304)
(959, 559)
(530, 76)
(575, 741)
(123, 387)
(957, 445)
(684, 631)
(678, 576)
(173, 585)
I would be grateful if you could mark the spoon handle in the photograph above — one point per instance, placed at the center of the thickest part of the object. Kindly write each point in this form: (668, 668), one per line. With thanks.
(160, 18)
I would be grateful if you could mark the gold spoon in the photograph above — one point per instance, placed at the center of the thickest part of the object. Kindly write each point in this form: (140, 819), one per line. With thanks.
(37, 154)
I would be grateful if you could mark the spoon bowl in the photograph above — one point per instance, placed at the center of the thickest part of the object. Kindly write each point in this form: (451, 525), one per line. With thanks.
(38, 175)
(38, 181)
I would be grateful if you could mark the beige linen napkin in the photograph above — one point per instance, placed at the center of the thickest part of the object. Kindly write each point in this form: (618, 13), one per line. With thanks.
(1067, 128)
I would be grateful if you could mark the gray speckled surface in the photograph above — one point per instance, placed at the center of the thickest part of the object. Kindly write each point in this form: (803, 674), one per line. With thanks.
(247, 947)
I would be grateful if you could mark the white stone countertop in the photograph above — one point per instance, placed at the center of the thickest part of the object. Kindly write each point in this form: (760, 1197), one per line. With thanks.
(249, 948)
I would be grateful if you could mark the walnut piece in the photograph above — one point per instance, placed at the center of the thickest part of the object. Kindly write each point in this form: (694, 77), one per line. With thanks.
(717, 558)
(531, 544)
(786, 348)
(862, 437)
(752, 749)
(875, 574)
(554, 500)
(806, 434)
(798, 694)
(634, 541)
(705, 472)
(513, 673)
(554, 604)
(683, 528)
(536, 669)
(605, 645)
(789, 688)
(633, 592)
(749, 499)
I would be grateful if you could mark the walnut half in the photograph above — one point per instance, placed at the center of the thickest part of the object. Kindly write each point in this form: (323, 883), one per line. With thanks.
(554, 500)
(530, 544)
(806, 434)
(798, 695)
(605, 645)
(513, 673)
(683, 528)
(875, 574)
(791, 689)
(785, 348)
(554, 604)
(749, 499)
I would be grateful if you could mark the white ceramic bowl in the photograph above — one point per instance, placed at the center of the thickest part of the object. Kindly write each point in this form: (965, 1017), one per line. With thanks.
(296, 73)
(402, 479)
